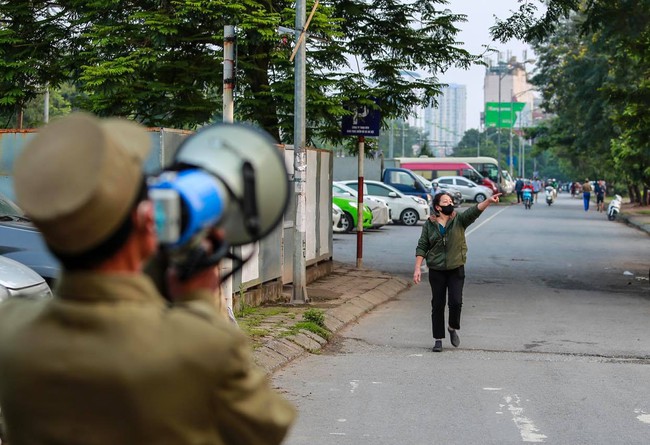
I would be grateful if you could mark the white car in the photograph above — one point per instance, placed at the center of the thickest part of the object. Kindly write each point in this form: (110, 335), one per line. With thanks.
(18, 280)
(380, 210)
(470, 190)
(405, 209)
(337, 219)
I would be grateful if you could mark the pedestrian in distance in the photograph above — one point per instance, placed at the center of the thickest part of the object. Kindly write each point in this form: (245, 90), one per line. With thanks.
(443, 246)
(586, 194)
(108, 360)
(600, 190)
(519, 187)
(537, 186)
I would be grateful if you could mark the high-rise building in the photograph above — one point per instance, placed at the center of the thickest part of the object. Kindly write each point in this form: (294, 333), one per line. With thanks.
(507, 82)
(445, 125)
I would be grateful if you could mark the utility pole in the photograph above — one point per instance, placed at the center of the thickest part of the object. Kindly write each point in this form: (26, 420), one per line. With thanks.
(228, 117)
(510, 145)
(391, 142)
(403, 135)
(299, 294)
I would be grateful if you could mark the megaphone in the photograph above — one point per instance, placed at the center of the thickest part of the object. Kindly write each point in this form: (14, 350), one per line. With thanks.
(227, 176)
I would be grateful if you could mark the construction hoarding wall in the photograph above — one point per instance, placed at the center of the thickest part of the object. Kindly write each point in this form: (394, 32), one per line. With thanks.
(272, 258)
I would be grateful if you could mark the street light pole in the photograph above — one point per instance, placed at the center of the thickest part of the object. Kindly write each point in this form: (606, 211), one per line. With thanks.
(501, 75)
(510, 163)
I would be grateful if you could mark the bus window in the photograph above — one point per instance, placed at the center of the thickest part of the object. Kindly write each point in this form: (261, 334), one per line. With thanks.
(488, 170)
(473, 175)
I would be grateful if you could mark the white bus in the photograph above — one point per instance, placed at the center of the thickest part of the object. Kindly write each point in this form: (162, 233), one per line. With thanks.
(485, 165)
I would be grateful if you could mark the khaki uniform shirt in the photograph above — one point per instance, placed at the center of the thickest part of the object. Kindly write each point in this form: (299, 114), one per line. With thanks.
(108, 362)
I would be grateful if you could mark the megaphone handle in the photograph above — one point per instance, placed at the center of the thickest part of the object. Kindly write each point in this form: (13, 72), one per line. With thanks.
(199, 259)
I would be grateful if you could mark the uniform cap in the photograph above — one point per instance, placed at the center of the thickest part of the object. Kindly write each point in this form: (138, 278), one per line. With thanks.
(78, 177)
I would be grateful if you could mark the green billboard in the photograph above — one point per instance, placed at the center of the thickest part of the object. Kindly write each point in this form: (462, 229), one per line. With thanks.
(502, 114)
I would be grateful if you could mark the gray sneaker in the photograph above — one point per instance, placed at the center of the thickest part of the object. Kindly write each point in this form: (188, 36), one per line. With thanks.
(453, 336)
(438, 346)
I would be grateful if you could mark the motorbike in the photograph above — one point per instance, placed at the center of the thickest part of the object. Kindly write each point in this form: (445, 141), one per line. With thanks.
(550, 195)
(527, 195)
(614, 207)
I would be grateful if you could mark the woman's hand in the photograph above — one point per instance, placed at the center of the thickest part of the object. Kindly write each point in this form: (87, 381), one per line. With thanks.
(492, 199)
(417, 275)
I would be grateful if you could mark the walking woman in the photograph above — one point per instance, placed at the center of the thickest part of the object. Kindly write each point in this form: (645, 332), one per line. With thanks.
(443, 244)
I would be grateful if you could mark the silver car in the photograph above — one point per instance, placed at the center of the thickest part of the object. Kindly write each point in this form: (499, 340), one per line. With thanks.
(456, 195)
(18, 280)
(470, 190)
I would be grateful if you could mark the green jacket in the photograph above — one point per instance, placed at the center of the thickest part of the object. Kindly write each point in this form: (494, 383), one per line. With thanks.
(106, 361)
(449, 251)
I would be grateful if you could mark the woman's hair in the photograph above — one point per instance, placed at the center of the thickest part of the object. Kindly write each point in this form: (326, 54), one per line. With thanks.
(107, 248)
(436, 199)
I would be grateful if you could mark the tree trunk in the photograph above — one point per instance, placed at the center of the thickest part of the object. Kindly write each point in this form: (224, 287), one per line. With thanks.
(630, 192)
(637, 194)
(19, 117)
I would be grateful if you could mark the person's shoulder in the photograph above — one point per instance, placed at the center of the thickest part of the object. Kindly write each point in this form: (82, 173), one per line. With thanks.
(202, 322)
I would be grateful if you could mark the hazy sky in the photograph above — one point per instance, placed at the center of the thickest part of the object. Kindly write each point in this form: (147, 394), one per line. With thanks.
(475, 33)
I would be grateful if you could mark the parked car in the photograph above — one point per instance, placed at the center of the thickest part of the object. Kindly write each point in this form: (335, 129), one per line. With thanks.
(22, 242)
(349, 208)
(470, 190)
(456, 195)
(18, 280)
(380, 210)
(337, 219)
(404, 209)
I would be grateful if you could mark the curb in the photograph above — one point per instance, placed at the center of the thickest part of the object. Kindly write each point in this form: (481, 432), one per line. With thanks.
(276, 353)
(638, 222)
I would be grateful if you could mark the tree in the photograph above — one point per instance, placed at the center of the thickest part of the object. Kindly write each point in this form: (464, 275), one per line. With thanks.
(32, 42)
(594, 76)
(159, 62)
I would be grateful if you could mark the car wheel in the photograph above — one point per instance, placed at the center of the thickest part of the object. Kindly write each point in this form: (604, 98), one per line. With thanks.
(479, 197)
(347, 222)
(409, 217)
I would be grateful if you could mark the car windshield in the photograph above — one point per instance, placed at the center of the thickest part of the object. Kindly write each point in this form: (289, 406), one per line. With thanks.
(345, 188)
(425, 181)
(10, 211)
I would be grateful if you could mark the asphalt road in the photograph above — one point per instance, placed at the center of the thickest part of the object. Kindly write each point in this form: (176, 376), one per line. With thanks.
(555, 341)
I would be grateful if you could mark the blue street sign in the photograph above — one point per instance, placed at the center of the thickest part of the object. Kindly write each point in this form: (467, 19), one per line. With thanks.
(365, 121)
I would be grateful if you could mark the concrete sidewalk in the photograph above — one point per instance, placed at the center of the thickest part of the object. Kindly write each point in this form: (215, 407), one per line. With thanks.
(343, 296)
(640, 221)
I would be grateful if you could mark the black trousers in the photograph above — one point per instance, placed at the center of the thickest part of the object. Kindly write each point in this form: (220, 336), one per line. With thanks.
(446, 283)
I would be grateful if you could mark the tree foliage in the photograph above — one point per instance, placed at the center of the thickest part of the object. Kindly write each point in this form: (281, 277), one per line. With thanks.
(593, 71)
(32, 36)
(160, 61)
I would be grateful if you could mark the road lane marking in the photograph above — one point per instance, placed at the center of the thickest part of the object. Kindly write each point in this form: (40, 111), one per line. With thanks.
(642, 416)
(527, 429)
(484, 222)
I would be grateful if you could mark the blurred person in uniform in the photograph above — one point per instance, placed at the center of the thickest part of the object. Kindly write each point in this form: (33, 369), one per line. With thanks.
(108, 360)
(443, 247)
